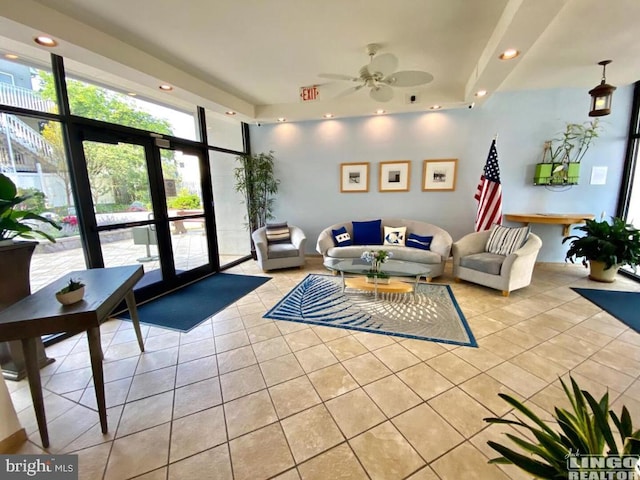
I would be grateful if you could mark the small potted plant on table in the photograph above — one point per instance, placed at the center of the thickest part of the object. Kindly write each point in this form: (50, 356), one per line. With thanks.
(72, 293)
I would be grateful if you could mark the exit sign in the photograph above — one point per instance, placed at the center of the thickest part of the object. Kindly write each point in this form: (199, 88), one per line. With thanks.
(309, 94)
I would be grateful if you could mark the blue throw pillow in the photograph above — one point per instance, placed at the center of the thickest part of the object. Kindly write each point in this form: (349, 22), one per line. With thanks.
(341, 237)
(367, 233)
(416, 241)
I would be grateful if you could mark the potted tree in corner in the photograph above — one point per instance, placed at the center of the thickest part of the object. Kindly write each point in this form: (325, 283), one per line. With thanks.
(16, 220)
(256, 181)
(605, 248)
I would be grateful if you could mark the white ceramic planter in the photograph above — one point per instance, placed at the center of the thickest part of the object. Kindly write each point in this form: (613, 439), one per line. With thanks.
(70, 298)
(599, 273)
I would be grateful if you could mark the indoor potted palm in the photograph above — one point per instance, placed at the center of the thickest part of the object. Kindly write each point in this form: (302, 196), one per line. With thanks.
(605, 248)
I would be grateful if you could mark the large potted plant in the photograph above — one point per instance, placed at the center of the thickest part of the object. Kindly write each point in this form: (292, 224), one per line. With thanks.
(605, 248)
(17, 220)
(256, 181)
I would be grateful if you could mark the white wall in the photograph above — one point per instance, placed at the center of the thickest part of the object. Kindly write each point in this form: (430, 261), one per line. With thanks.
(308, 155)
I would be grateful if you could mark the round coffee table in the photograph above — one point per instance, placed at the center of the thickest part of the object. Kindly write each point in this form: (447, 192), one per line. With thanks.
(392, 268)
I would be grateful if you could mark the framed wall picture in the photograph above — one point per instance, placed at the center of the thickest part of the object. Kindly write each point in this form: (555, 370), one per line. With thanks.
(395, 176)
(354, 177)
(439, 175)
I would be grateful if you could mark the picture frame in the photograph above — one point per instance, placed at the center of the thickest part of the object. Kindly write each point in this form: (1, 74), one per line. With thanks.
(354, 177)
(395, 176)
(439, 175)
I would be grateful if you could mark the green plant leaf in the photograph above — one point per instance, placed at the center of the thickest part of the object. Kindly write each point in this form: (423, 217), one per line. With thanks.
(600, 417)
(519, 406)
(528, 464)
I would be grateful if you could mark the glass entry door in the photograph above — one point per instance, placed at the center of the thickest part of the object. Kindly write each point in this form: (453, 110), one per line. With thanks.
(144, 205)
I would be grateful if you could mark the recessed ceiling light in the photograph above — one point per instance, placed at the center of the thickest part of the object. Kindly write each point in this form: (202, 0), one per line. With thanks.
(328, 115)
(481, 93)
(45, 41)
(509, 53)
(132, 94)
(229, 112)
(435, 107)
(165, 87)
(380, 112)
(282, 119)
(11, 56)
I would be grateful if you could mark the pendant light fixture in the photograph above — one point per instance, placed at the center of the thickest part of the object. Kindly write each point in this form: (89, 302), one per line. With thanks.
(601, 95)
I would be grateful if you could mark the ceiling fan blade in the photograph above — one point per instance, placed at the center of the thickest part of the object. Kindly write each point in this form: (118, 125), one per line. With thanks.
(408, 78)
(381, 93)
(337, 76)
(349, 91)
(385, 64)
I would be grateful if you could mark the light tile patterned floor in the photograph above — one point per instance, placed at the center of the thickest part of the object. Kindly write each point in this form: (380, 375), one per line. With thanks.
(242, 397)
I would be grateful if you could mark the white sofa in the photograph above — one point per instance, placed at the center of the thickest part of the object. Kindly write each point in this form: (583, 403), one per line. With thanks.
(435, 258)
(279, 255)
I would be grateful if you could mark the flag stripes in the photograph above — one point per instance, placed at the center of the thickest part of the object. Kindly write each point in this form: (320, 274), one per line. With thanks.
(489, 193)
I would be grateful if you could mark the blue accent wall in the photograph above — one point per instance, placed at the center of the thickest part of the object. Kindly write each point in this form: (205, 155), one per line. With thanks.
(308, 157)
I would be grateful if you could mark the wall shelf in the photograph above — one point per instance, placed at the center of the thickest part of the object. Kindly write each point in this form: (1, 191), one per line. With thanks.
(564, 219)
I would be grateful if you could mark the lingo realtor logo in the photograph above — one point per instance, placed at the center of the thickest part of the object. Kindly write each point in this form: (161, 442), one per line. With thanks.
(598, 467)
(36, 467)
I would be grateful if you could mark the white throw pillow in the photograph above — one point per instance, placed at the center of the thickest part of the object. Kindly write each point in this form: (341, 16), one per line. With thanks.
(394, 235)
(506, 240)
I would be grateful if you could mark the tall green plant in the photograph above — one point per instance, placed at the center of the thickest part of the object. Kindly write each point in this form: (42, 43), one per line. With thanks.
(584, 430)
(256, 181)
(574, 142)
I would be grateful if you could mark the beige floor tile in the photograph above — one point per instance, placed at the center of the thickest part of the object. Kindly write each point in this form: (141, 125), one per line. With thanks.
(373, 341)
(288, 475)
(328, 334)
(453, 367)
(196, 433)
(151, 383)
(225, 327)
(302, 339)
(252, 461)
(197, 396)
(630, 337)
(480, 358)
(604, 375)
(92, 461)
(474, 465)
(156, 360)
(424, 380)
(332, 381)
(213, 463)
(118, 369)
(272, 348)
(311, 432)
(422, 349)
(94, 436)
(517, 379)
(346, 347)
(543, 368)
(68, 381)
(632, 404)
(241, 382)
(115, 394)
(461, 411)
(496, 433)
(392, 396)
(315, 358)
(500, 346)
(384, 453)
(139, 453)
(263, 332)
(481, 326)
(249, 413)
(289, 327)
(620, 362)
(340, 461)
(424, 474)
(164, 340)
(485, 390)
(230, 341)
(355, 412)
(523, 339)
(67, 427)
(145, 413)
(396, 357)
(294, 396)
(236, 359)
(281, 369)
(195, 350)
(582, 332)
(366, 368)
(196, 370)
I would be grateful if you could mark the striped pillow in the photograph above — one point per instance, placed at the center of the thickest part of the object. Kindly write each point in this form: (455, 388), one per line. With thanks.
(506, 240)
(278, 233)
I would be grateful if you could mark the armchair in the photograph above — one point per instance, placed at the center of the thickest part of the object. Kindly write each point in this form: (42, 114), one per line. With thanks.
(272, 256)
(473, 263)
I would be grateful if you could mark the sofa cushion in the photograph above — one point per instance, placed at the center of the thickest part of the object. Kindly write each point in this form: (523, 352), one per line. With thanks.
(490, 263)
(398, 253)
(367, 233)
(394, 235)
(341, 237)
(506, 240)
(278, 233)
(417, 241)
(282, 250)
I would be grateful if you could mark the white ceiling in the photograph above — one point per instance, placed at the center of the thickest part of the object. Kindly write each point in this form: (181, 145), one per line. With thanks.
(252, 56)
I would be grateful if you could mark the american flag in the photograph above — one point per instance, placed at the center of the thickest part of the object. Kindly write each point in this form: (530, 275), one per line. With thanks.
(489, 193)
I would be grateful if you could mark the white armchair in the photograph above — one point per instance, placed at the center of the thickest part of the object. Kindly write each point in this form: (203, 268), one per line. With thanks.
(471, 262)
(279, 255)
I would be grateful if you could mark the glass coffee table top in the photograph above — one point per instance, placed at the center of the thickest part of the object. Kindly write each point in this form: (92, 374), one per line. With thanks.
(393, 268)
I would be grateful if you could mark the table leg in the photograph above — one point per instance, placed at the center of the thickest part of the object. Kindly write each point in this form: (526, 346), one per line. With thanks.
(415, 286)
(133, 311)
(95, 351)
(343, 284)
(35, 385)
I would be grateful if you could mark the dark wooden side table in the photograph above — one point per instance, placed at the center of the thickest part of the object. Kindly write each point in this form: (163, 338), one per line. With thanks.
(40, 314)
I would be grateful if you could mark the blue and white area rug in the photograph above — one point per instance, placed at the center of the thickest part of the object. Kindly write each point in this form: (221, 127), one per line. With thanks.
(434, 314)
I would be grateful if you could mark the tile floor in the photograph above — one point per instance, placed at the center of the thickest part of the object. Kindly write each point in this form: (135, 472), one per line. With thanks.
(241, 397)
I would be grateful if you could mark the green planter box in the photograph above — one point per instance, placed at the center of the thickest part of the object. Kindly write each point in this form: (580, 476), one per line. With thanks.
(543, 174)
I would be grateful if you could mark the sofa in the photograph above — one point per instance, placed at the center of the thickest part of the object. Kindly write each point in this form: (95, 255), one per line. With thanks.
(275, 255)
(435, 257)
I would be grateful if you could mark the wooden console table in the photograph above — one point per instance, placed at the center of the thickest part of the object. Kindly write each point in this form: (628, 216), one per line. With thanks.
(564, 219)
(40, 314)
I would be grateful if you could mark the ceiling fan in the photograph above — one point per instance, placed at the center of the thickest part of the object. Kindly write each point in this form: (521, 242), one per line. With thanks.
(380, 76)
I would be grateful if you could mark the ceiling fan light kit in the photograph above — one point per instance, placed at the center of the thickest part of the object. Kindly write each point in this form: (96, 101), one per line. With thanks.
(380, 75)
